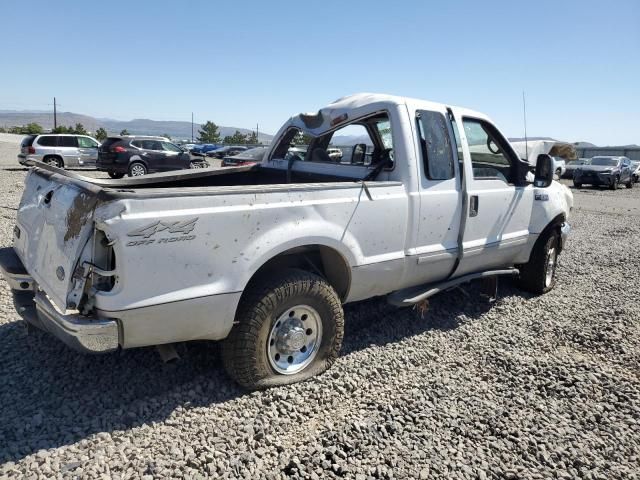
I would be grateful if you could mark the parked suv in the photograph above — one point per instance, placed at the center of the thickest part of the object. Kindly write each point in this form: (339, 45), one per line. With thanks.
(138, 155)
(605, 170)
(59, 150)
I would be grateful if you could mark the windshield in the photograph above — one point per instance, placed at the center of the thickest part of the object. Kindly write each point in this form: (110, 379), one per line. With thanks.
(604, 161)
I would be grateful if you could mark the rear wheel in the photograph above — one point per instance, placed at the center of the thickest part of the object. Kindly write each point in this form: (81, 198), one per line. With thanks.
(577, 184)
(538, 275)
(116, 174)
(289, 328)
(137, 169)
(53, 161)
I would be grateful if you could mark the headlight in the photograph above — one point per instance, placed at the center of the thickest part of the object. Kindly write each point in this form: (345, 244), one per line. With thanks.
(605, 172)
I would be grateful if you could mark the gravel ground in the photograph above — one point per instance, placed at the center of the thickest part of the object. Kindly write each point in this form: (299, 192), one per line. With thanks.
(526, 387)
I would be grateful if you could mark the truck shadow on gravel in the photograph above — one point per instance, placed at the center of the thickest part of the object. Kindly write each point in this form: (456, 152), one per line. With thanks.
(52, 396)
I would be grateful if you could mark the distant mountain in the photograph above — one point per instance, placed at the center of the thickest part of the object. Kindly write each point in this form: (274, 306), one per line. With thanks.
(141, 126)
(349, 140)
(530, 139)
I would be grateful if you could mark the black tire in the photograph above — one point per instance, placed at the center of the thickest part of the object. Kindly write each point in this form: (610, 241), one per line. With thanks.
(116, 175)
(577, 184)
(629, 184)
(615, 184)
(53, 160)
(245, 352)
(137, 169)
(533, 274)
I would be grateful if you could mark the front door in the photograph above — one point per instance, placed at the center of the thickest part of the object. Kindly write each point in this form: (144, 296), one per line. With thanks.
(88, 149)
(174, 156)
(499, 212)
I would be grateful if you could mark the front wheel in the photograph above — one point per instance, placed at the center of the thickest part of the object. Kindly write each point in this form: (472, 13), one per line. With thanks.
(577, 184)
(629, 184)
(538, 275)
(615, 183)
(289, 328)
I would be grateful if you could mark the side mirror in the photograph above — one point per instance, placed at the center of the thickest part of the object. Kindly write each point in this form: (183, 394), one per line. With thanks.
(544, 171)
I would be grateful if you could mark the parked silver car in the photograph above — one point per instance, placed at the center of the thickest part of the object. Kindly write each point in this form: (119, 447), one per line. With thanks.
(60, 150)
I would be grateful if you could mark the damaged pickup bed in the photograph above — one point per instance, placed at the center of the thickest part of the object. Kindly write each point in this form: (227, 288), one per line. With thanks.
(264, 256)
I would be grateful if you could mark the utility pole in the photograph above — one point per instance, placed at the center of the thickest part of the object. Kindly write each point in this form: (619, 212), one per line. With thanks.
(191, 127)
(257, 134)
(526, 140)
(55, 114)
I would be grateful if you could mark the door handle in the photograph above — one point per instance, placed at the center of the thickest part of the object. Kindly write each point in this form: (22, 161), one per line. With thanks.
(473, 206)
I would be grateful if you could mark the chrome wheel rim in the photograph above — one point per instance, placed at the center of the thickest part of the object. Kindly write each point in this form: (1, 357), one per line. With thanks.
(294, 339)
(137, 170)
(551, 266)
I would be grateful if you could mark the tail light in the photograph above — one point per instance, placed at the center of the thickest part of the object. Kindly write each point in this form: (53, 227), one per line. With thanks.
(118, 149)
(32, 151)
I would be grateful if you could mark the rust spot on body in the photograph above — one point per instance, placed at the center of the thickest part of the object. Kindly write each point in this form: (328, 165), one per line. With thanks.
(78, 215)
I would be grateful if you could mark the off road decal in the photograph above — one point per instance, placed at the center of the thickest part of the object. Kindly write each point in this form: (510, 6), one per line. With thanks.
(180, 227)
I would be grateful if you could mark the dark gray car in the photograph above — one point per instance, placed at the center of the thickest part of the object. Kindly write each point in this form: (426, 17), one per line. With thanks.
(608, 171)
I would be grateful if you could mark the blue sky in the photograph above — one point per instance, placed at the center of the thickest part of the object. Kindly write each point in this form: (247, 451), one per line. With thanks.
(238, 63)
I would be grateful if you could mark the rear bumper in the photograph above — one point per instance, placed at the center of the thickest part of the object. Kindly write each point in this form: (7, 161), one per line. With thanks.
(85, 334)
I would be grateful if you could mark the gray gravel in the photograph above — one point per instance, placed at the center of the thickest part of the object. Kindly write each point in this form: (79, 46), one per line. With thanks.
(527, 387)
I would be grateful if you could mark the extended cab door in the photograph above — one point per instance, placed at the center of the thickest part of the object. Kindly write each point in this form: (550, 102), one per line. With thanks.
(439, 190)
(496, 227)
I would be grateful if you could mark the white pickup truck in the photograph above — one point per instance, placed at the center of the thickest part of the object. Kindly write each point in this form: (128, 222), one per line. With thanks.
(264, 256)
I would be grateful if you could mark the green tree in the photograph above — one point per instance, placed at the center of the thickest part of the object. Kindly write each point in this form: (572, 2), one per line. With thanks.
(3, 130)
(238, 138)
(166, 135)
(101, 134)
(62, 129)
(80, 130)
(124, 132)
(209, 133)
(29, 129)
(252, 139)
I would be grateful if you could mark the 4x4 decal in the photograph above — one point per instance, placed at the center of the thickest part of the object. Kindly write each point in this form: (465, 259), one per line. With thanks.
(184, 227)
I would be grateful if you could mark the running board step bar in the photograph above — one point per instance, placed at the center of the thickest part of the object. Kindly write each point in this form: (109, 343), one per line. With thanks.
(412, 295)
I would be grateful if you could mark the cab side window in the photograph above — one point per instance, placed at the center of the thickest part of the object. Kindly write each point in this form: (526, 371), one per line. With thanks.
(49, 141)
(435, 145)
(68, 141)
(170, 147)
(86, 142)
(489, 157)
